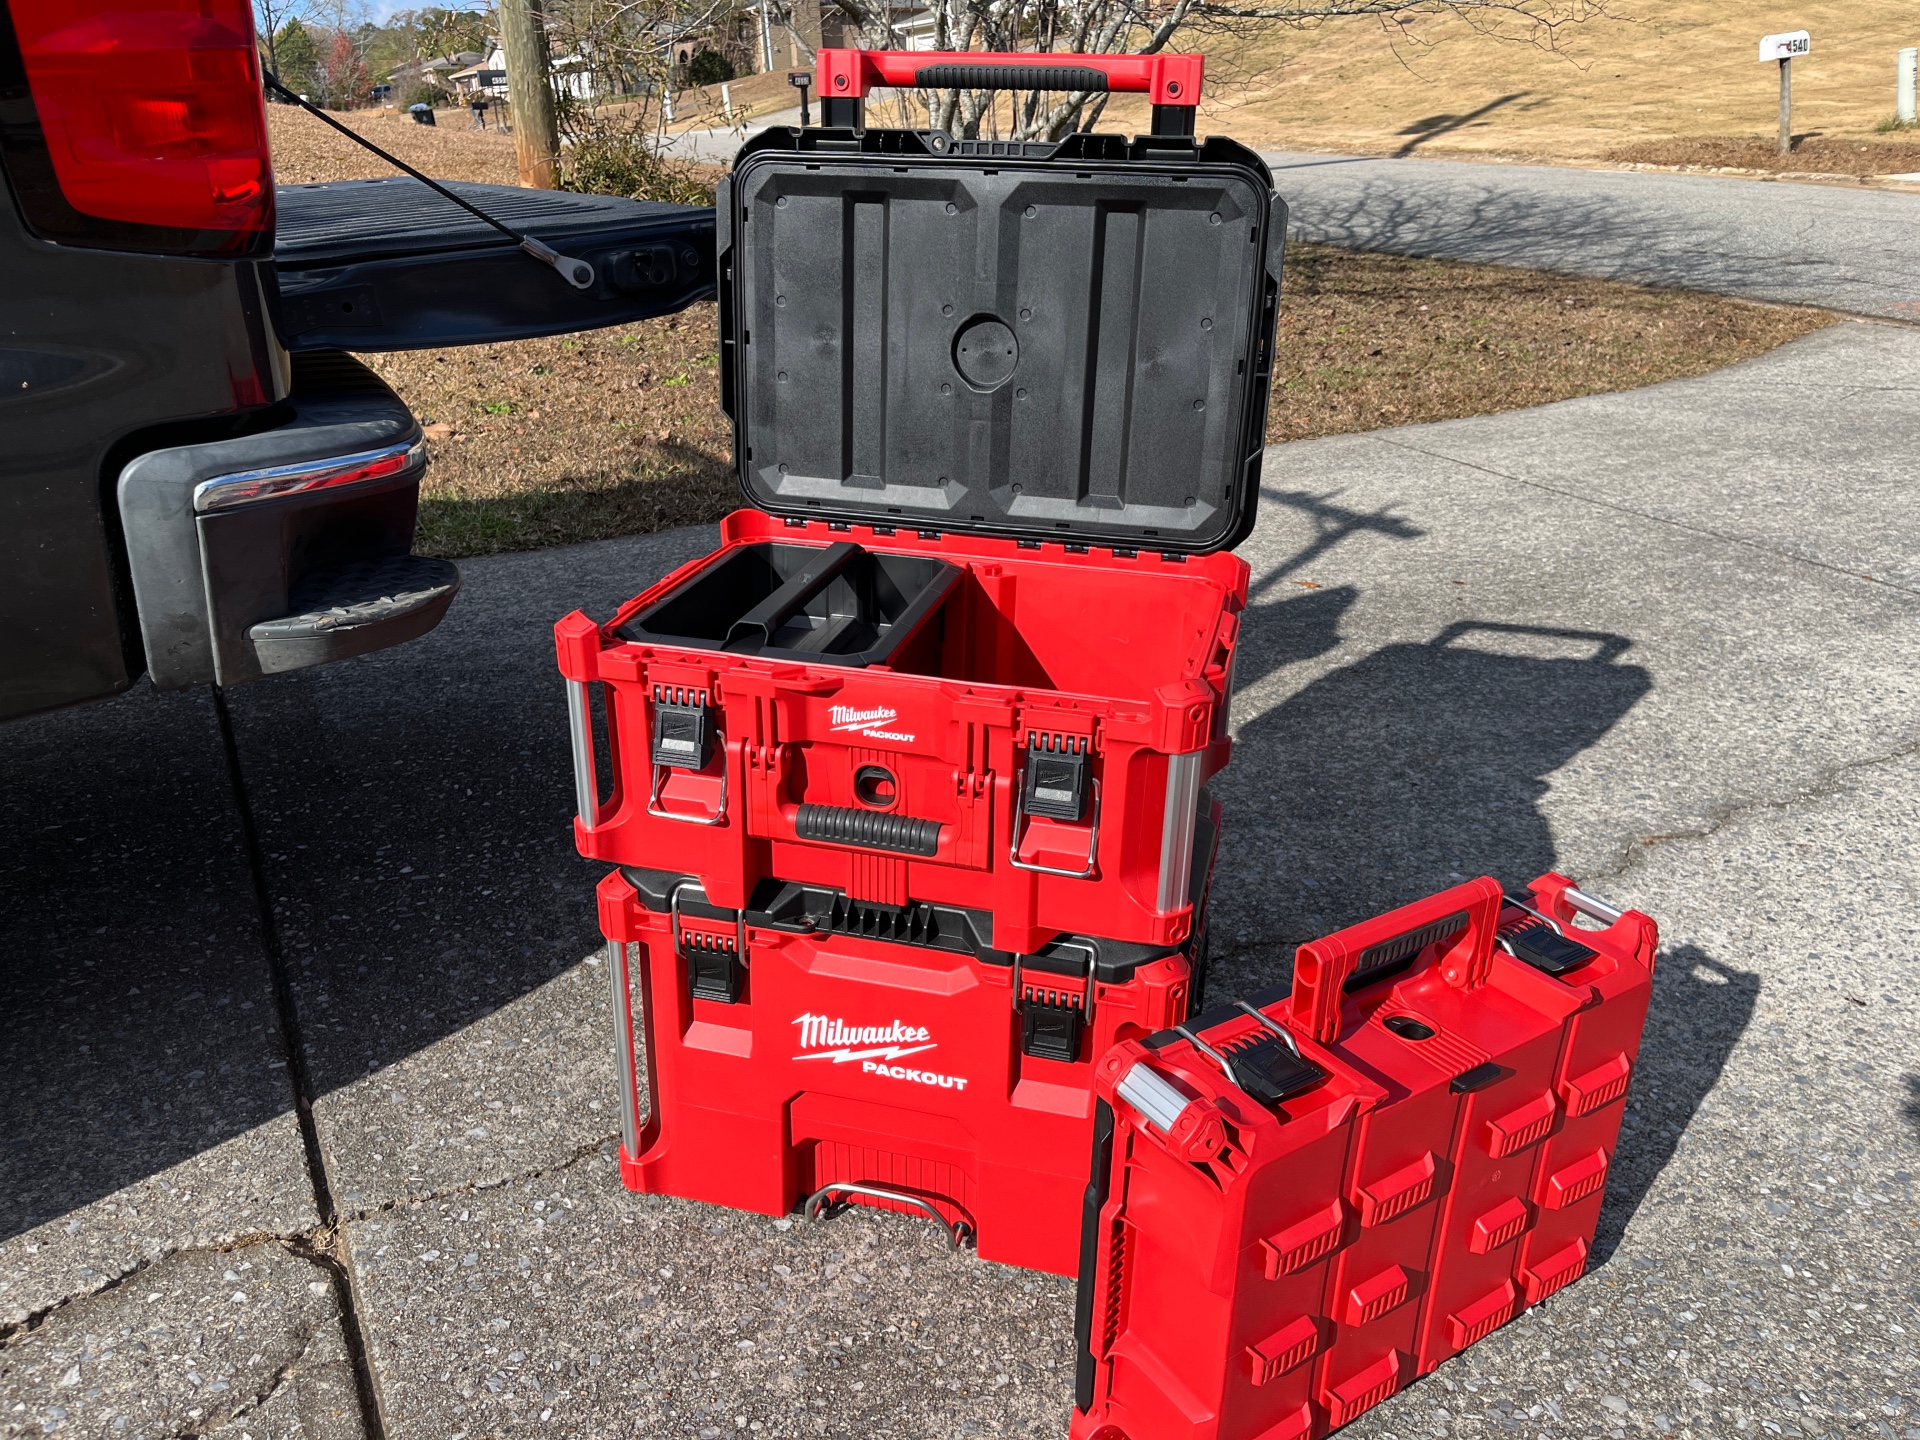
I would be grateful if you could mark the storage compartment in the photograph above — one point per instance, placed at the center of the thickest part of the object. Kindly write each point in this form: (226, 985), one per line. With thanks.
(1302, 1201)
(1000, 411)
(839, 604)
(815, 1049)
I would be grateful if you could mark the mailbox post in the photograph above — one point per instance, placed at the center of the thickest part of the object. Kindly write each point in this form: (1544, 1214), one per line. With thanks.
(800, 80)
(1783, 48)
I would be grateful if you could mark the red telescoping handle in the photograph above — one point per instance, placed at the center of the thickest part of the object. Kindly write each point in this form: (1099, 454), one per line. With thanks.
(1462, 920)
(1171, 82)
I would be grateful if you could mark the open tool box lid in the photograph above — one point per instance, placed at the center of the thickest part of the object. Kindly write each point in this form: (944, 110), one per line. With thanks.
(1065, 341)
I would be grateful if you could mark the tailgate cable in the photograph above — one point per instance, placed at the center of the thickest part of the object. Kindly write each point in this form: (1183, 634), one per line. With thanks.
(577, 273)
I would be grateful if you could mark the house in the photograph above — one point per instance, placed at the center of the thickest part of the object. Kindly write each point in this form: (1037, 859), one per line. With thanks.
(488, 75)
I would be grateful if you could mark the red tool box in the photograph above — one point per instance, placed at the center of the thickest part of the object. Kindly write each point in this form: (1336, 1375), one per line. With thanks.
(1000, 407)
(1300, 1203)
(817, 1048)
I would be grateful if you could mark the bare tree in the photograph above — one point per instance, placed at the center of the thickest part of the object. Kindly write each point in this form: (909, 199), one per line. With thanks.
(268, 17)
(1146, 27)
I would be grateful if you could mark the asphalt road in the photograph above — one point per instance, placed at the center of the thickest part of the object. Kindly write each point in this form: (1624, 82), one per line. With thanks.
(1663, 640)
(1846, 247)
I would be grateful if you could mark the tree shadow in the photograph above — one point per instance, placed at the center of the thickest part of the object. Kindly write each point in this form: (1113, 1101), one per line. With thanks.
(1400, 774)
(1434, 126)
(1700, 1009)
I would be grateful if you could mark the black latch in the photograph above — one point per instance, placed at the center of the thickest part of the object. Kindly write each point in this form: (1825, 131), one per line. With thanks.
(1270, 1072)
(682, 728)
(1056, 783)
(714, 970)
(1541, 946)
(1050, 1023)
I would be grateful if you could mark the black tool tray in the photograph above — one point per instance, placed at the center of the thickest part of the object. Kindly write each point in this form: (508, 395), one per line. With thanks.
(836, 604)
(1065, 341)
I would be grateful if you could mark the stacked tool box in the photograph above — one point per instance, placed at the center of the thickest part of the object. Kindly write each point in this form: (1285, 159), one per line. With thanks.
(907, 797)
(908, 777)
(1302, 1201)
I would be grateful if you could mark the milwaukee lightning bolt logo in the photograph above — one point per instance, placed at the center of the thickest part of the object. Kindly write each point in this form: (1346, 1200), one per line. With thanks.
(870, 722)
(826, 1037)
(823, 1038)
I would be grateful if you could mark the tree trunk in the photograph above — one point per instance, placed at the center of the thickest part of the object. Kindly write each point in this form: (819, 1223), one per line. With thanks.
(536, 132)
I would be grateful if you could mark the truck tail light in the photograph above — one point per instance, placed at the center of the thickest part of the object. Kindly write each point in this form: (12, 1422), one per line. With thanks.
(137, 124)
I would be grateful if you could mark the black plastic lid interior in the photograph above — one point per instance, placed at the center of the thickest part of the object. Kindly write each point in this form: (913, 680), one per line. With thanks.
(1068, 345)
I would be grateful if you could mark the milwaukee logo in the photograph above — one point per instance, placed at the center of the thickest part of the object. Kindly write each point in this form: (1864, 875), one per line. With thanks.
(823, 1037)
(846, 717)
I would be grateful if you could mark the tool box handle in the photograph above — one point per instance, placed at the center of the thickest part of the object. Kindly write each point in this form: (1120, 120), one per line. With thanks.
(1326, 970)
(1172, 82)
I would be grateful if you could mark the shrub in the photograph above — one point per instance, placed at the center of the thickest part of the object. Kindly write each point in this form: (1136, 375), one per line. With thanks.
(604, 159)
(709, 67)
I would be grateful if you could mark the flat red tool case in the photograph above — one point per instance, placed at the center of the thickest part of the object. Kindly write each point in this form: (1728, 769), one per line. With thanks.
(1000, 409)
(1301, 1202)
(814, 1049)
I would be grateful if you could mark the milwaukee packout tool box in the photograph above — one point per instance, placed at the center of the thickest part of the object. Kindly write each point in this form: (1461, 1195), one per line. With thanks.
(815, 1049)
(1299, 1203)
(1000, 409)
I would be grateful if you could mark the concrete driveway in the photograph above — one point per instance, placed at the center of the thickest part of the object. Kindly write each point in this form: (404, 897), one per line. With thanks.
(1665, 640)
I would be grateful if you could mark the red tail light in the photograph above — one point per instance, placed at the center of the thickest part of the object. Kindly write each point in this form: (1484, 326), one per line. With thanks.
(137, 124)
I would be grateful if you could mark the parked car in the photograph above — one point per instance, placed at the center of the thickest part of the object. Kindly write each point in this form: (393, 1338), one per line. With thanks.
(197, 481)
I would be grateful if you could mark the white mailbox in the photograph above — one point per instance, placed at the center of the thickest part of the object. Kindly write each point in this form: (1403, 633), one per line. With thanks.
(1786, 46)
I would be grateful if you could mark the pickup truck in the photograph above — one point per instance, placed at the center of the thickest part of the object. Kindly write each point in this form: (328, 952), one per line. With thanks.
(198, 482)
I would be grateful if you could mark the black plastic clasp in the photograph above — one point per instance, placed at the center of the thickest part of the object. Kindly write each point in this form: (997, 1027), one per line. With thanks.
(1057, 777)
(1270, 1072)
(682, 728)
(1050, 1023)
(1545, 948)
(714, 971)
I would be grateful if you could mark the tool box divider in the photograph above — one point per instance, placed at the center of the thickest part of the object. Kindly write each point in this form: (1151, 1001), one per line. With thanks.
(1455, 928)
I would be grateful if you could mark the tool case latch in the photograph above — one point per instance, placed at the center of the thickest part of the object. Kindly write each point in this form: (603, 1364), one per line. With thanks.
(1055, 993)
(682, 728)
(1540, 941)
(1050, 1023)
(716, 964)
(1057, 777)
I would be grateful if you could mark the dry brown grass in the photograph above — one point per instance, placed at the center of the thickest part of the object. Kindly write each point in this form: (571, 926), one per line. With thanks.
(305, 150)
(1815, 155)
(580, 437)
(617, 432)
(1659, 68)
(1367, 341)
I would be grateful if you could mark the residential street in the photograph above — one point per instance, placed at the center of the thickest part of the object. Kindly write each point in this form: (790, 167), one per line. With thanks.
(1665, 641)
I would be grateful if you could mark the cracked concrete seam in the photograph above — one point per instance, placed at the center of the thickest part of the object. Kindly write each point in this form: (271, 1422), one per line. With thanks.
(480, 1187)
(295, 1244)
(1812, 562)
(321, 1246)
(1825, 785)
(276, 1382)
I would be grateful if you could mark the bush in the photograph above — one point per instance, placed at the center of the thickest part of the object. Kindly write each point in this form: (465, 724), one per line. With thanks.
(709, 67)
(606, 160)
(424, 95)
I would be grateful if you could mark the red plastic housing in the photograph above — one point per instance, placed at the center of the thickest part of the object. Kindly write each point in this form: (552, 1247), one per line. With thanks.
(1125, 655)
(152, 117)
(844, 1058)
(1445, 1173)
(1165, 79)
